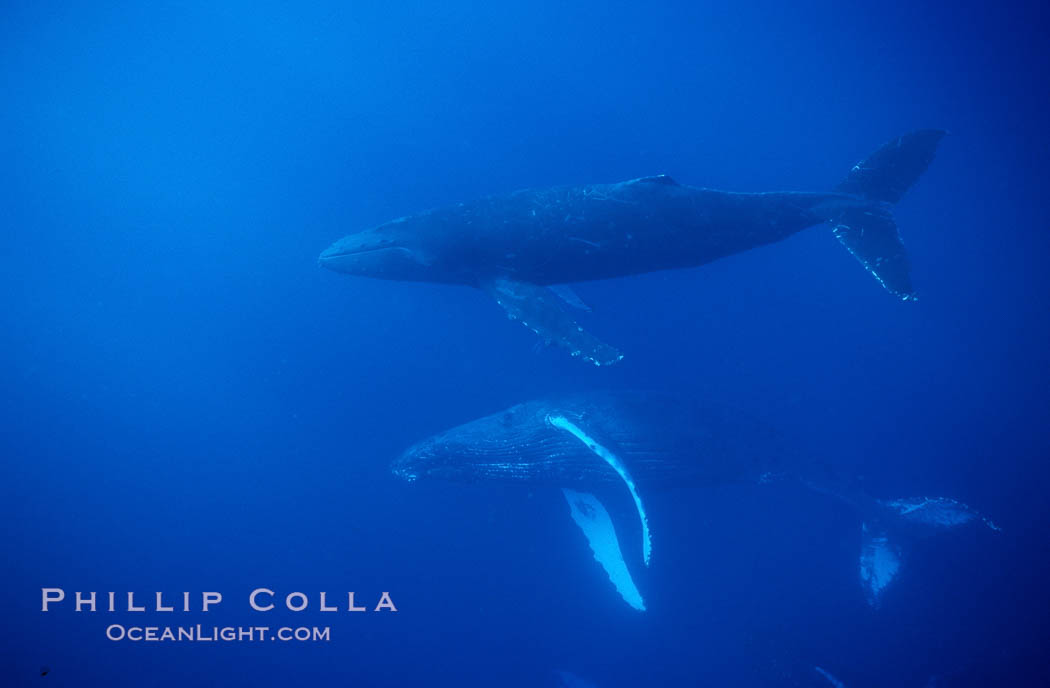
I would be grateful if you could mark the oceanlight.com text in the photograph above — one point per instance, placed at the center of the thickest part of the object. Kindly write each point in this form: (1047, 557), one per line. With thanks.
(205, 634)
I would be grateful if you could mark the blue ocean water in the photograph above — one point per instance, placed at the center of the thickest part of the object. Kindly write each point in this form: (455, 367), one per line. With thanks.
(192, 405)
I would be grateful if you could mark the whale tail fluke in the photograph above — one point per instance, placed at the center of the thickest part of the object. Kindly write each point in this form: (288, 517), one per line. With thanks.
(888, 172)
(869, 231)
(908, 518)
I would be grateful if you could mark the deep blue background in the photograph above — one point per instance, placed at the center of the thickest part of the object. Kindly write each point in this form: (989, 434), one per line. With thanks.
(189, 403)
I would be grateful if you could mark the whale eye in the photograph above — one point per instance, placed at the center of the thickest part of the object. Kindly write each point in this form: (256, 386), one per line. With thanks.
(507, 419)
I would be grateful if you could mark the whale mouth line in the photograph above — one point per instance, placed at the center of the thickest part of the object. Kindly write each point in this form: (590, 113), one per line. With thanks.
(352, 257)
(359, 250)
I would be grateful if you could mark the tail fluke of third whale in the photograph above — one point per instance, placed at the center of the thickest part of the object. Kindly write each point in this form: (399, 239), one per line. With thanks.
(869, 231)
(895, 520)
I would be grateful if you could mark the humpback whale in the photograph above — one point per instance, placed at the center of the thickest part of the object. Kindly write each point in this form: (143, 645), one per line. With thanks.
(526, 247)
(637, 442)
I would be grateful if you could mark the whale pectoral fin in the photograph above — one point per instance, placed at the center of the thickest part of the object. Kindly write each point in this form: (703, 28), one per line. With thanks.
(880, 561)
(566, 294)
(594, 521)
(539, 309)
(601, 451)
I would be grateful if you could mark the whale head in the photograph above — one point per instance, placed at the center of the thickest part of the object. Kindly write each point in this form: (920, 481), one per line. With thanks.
(514, 445)
(389, 251)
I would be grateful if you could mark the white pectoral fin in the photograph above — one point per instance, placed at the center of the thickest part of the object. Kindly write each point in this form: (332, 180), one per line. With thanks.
(880, 562)
(594, 521)
(563, 423)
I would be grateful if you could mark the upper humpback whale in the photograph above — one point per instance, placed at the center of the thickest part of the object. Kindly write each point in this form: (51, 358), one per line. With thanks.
(524, 247)
(634, 442)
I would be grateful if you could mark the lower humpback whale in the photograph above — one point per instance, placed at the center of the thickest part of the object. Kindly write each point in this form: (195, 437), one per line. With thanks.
(636, 442)
(524, 248)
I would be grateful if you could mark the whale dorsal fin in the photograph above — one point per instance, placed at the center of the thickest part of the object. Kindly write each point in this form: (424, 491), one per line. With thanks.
(655, 179)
